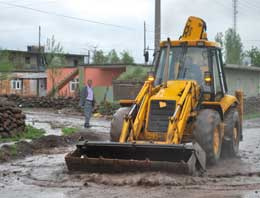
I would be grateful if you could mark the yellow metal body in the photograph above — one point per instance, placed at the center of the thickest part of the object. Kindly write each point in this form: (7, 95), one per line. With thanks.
(186, 93)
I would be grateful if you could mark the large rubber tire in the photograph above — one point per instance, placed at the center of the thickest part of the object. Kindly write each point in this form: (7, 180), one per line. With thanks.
(117, 123)
(232, 133)
(207, 132)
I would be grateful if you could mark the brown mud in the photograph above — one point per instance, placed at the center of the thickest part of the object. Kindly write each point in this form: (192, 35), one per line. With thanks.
(46, 175)
(22, 149)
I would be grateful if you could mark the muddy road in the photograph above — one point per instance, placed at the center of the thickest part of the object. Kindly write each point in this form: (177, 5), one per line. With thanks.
(45, 174)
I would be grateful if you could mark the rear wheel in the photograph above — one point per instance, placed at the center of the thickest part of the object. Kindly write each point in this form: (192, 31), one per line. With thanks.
(117, 123)
(207, 132)
(232, 133)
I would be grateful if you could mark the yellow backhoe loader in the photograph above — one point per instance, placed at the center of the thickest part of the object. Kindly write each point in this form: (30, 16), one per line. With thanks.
(182, 118)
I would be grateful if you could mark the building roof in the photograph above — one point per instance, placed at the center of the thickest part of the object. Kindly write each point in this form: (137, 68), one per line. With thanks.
(35, 53)
(241, 67)
(103, 66)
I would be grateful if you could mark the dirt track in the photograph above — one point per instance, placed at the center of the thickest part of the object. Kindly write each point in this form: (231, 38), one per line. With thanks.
(45, 175)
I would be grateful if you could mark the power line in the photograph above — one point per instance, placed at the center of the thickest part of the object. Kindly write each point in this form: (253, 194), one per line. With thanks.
(67, 16)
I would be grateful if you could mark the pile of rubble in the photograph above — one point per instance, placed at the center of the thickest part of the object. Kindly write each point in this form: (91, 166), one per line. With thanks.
(43, 102)
(12, 120)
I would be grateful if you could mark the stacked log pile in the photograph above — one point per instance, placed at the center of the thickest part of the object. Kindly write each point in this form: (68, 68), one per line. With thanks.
(12, 120)
(43, 102)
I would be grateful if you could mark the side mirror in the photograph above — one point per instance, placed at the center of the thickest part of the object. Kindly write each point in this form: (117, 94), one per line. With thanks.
(207, 78)
(146, 56)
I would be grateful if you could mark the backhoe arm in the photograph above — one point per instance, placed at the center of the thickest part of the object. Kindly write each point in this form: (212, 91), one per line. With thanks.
(178, 121)
(141, 101)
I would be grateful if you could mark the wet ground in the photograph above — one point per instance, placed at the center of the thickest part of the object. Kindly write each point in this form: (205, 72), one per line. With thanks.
(45, 175)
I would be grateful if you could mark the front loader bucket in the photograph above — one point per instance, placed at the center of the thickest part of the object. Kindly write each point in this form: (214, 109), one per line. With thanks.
(118, 157)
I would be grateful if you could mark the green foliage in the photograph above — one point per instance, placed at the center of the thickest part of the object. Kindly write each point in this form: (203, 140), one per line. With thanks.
(6, 66)
(112, 57)
(126, 58)
(68, 131)
(29, 133)
(219, 39)
(99, 57)
(233, 47)
(54, 57)
(13, 150)
(134, 73)
(107, 108)
(54, 53)
(254, 54)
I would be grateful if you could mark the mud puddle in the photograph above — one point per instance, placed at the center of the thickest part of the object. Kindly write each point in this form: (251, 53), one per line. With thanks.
(45, 175)
(53, 122)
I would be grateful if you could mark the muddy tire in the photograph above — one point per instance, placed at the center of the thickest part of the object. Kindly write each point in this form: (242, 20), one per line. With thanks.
(207, 132)
(117, 123)
(232, 133)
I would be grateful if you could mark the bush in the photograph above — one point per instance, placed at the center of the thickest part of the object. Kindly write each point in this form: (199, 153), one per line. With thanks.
(107, 108)
(134, 73)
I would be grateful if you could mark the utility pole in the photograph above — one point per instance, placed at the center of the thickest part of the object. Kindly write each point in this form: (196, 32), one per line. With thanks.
(39, 61)
(157, 25)
(145, 42)
(235, 12)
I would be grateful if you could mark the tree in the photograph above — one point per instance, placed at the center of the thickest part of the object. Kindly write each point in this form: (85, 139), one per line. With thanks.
(54, 58)
(233, 47)
(99, 57)
(219, 39)
(254, 54)
(113, 57)
(126, 58)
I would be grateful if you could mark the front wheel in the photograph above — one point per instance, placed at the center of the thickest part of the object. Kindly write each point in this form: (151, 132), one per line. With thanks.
(207, 132)
(232, 133)
(117, 123)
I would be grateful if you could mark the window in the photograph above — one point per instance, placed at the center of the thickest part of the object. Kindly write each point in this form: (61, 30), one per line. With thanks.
(188, 63)
(27, 60)
(76, 62)
(74, 85)
(16, 84)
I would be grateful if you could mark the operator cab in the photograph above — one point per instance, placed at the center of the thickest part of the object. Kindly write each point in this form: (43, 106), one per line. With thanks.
(187, 62)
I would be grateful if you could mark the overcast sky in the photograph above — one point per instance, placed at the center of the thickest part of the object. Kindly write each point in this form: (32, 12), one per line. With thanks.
(124, 19)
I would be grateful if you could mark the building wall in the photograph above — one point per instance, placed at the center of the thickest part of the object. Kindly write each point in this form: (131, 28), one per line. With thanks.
(28, 87)
(102, 80)
(102, 76)
(246, 80)
(18, 58)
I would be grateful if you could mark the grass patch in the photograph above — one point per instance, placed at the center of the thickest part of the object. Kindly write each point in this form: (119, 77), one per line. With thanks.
(252, 116)
(29, 133)
(13, 150)
(68, 131)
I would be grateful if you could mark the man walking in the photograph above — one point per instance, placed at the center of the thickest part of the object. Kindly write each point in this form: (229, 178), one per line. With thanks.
(87, 102)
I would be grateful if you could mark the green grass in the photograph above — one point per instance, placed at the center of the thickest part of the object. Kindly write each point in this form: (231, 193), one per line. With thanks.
(13, 150)
(68, 131)
(29, 133)
(252, 116)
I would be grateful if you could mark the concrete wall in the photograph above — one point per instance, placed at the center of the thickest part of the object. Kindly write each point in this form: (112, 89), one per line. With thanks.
(245, 78)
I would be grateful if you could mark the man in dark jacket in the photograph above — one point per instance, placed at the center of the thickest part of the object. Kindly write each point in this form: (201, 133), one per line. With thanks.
(87, 101)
